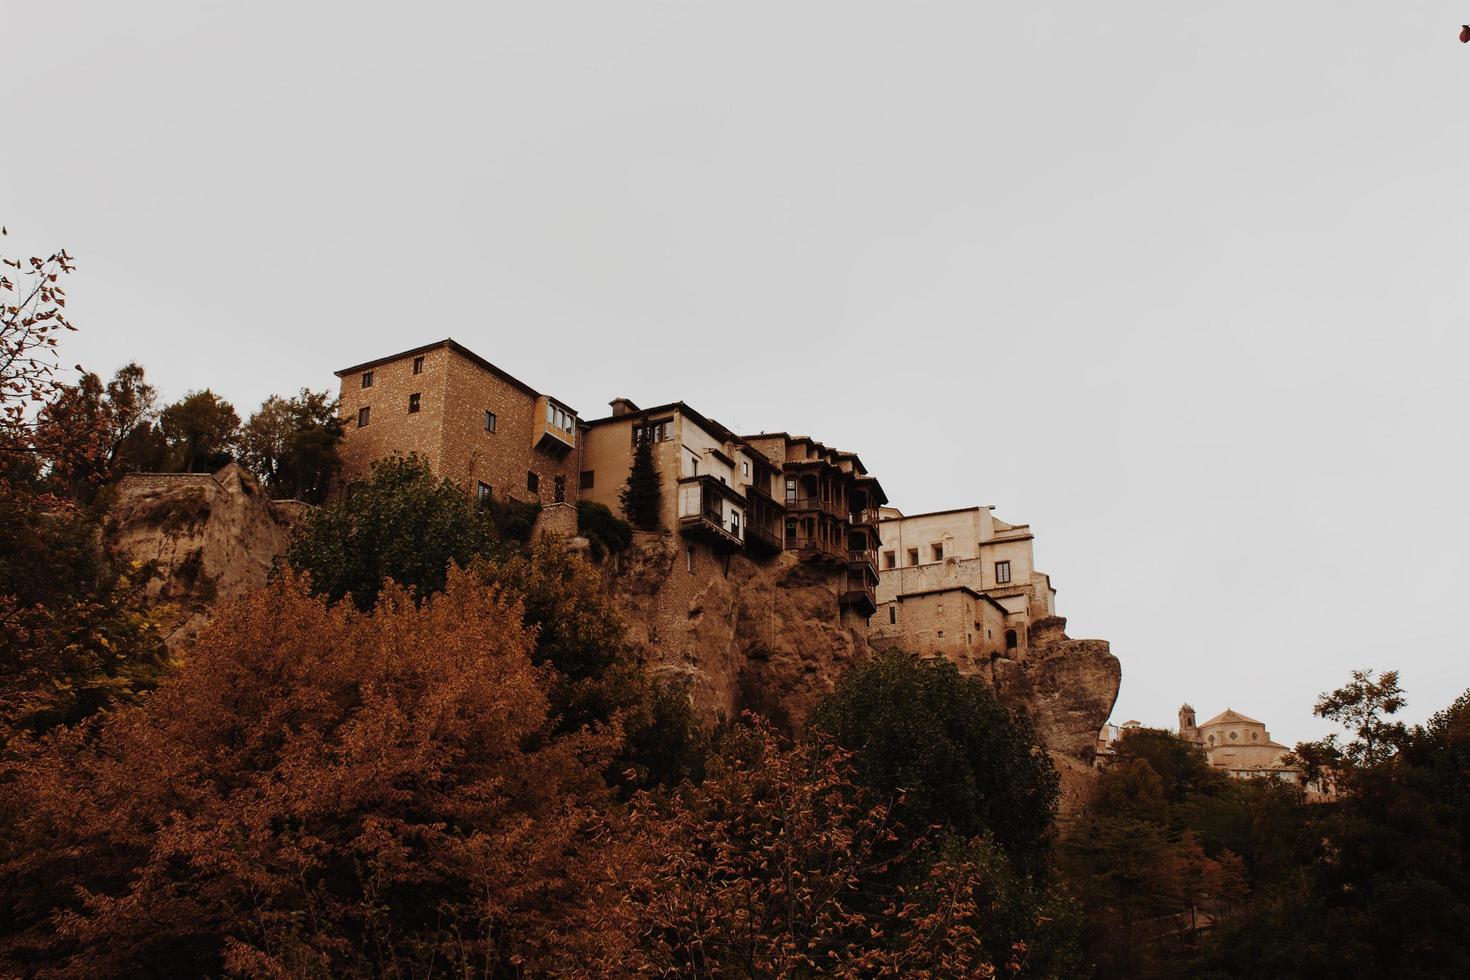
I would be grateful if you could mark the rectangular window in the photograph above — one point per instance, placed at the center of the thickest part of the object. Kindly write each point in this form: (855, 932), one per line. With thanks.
(586, 482)
(413, 403)
(735, 523)
(889, 559)
(418, 365)
(533, 481)
(689, 558)
(362, 416)
(482, 495)
(938, 552)
(913, 556)
(654, 431)
(745, 468)
(791, 490)
(1002, 572)
(489, 421)
(367, 379)
(892, 615)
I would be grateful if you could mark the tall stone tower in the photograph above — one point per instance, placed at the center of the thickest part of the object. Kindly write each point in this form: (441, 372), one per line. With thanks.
(1187, 728)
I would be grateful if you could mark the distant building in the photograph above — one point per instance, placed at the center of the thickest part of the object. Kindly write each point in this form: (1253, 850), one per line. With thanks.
(472, 422)
(958, 582)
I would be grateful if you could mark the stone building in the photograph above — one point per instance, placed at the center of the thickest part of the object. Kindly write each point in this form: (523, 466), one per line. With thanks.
(958, 582)
(717, 489)
(472, 422)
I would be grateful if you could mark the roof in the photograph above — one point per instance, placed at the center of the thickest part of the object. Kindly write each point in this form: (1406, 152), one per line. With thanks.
(952, 588)
(931, 513)
(707, 424)
(462, 351)
(1228, 717)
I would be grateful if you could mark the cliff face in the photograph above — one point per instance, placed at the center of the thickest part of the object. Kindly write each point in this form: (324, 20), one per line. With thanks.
(212, 537)
(769, 637)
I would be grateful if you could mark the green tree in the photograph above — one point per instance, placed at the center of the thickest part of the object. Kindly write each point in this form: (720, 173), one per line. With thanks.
(401, 523)
(604, 532)
(201, 429)
(959, 757)
(642, 495)
(291, 443)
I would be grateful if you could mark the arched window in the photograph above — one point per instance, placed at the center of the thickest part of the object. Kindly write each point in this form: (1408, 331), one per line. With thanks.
(1010, 639)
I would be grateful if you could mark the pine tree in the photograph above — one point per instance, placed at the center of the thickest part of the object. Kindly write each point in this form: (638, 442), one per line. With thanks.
(642, 497)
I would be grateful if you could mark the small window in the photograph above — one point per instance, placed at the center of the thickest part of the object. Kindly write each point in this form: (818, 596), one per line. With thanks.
(586, 481)
(889, 559)
(363, 415)
(418, 365)
(744, 468)
(938, 551)
(413, 404)
(489, 421)
(892, 615)
(482, 496)
(1002, 572)
(913, 556)
(689, 558)
(367, 379)
(1010, 639)
(533, 481)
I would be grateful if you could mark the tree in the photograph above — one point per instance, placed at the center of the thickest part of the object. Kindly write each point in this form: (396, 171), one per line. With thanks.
(642, 496)
(961, 759)
(200, 430)
(604, 532)
(32, 318)
(401, 523)
(291, 443)
(775, 866)
(318, 791)
(118, 415)
(1363, 707)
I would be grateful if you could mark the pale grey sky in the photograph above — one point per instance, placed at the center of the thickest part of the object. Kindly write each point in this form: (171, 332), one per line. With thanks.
(1181, 284)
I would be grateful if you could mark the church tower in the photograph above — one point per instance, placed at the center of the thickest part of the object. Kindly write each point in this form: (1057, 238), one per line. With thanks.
(1187, 728)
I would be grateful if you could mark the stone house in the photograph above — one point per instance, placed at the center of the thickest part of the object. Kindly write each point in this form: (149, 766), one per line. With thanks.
(958, 582)
(494, 435)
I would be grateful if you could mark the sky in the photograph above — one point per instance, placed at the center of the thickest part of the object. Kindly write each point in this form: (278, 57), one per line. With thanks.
(1182, 285)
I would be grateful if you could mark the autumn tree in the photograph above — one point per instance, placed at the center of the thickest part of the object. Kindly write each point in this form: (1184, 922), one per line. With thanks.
(642, 495)
(291, 443)
(777, 865)
(318, 791)
(201, 430)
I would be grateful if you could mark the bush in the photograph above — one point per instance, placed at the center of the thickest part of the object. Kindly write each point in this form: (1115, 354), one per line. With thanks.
(606, 532)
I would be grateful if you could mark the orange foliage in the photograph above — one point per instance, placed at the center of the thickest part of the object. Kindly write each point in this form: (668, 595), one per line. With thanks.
(318, 791)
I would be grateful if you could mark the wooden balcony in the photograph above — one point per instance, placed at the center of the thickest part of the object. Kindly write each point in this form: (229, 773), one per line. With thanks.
(703, 512)
(816, 548)
(764, 540)
(860, 593)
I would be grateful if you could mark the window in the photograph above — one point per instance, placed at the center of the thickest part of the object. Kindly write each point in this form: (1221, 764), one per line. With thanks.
(656, 431)
(1002, 572)
(559, 489)
(790, 531)
(745, 468)
(413, 404)
(489, 421)
(558, 417)
(533, 481)
(482, 496)
(913, 556)
(418, 364)
(586, 481)
(1010, 639)
(938, 551)
(892, 614)
(367, 379)
(889, 559)
(790, 490)
(689, 558)
(363, 415)
(735, 523)
(941, 634)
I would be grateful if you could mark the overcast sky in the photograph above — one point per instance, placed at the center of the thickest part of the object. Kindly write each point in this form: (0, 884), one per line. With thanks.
(1183, 285)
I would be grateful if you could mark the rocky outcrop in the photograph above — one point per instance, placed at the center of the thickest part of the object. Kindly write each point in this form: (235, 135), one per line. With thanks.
(209, 536)
(769, 637)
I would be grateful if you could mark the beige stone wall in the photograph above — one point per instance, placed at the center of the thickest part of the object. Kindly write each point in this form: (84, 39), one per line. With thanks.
(966, 629)
(391, 429)
(607, 452)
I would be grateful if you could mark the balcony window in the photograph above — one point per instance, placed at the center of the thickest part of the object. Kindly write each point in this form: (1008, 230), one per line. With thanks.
(735, 523)
(367, 379)
(654, 431)
(413, 404)
(418, 365)
(489, 421)
(1002, 572)
(558, 417)
(364, 415)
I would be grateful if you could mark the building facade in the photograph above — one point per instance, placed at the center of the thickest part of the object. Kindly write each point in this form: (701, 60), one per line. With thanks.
(472, 422)
(958, 582)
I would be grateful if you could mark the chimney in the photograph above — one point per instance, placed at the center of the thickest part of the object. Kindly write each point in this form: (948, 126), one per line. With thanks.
(622, 406)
